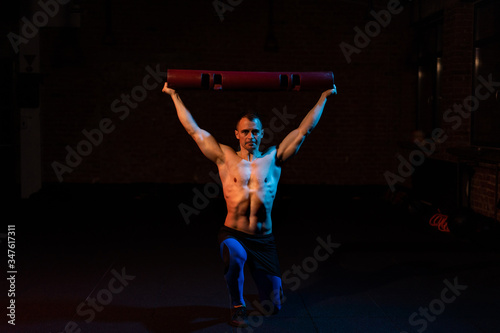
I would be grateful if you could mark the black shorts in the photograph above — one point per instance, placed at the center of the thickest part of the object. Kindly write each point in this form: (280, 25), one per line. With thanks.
(261, 249)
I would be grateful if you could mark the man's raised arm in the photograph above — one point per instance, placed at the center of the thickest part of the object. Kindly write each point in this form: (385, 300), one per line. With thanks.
(205, 141)
(292, 142)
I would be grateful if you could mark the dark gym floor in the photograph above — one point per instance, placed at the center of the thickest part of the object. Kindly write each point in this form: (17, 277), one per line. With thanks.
(146, 270)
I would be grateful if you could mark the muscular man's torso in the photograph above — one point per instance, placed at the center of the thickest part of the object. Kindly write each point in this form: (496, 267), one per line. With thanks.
(249, 190)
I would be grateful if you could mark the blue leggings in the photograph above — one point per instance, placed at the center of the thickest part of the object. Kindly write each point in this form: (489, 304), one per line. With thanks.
(269, 286)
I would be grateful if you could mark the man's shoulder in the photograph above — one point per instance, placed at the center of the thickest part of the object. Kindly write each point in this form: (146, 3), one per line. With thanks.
(226, 148)
(272, 153)
(269, 151)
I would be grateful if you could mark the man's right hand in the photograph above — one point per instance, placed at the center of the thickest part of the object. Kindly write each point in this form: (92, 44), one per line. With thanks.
(168, 90)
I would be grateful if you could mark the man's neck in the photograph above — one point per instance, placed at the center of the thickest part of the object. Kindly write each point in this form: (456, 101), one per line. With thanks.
(248, 155)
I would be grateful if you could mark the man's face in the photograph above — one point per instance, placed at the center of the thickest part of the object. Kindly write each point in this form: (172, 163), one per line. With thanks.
(249, 133)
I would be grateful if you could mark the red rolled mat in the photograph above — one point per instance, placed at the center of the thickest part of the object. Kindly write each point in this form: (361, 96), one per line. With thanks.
(239, 80)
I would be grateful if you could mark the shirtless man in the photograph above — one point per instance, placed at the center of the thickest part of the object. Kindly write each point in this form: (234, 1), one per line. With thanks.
(249, 180)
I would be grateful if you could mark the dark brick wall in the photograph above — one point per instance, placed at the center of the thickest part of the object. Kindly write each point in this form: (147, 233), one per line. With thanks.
(458, 61)
(87, 69)
(483, 191)
(457, 65)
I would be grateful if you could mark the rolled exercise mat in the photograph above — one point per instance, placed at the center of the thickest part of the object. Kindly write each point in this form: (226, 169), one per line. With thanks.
(239, 80)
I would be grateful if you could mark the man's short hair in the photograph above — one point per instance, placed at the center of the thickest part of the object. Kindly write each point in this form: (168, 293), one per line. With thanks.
(250, 115)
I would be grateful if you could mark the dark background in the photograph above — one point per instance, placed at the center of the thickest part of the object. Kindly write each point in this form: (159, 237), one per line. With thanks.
(146, 186)
(84, 68)
(74, 70)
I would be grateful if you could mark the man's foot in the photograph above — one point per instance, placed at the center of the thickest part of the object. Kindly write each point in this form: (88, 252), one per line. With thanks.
(239, 316)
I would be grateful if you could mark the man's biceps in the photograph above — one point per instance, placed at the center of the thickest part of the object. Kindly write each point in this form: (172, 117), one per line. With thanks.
(202, 137)
(280, 149)
(294, 141)
(212, 146)
(294, 146)
(209, 151)
(284, 144)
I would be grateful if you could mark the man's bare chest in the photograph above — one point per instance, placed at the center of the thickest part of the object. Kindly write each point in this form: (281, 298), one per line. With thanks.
(260, 172)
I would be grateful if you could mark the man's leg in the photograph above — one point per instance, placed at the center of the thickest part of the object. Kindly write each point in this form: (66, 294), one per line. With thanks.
(234, 257)
(270, 292)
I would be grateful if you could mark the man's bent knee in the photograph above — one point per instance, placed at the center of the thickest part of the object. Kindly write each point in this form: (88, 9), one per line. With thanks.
(232, 254)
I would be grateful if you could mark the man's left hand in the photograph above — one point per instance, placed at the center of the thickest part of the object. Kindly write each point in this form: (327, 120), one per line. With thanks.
(330, 92)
